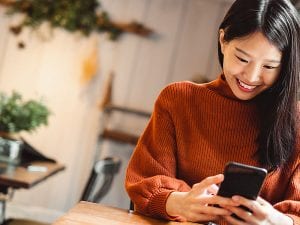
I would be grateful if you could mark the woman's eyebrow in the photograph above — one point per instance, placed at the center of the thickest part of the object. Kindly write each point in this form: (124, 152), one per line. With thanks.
(249, 55)
(242, 51)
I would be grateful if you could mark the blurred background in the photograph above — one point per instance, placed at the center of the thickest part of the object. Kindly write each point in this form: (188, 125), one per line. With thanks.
(78, 75)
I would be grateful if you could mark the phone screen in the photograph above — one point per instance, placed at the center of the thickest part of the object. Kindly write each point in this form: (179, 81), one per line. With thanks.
(243, 180)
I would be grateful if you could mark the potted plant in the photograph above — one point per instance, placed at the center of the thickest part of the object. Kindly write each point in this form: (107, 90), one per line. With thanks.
(17, 115)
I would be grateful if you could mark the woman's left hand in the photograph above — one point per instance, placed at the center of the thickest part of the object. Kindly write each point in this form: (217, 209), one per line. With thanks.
(262, 213)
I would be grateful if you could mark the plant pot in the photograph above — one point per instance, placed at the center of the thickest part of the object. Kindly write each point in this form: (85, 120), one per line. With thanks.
(10, 151)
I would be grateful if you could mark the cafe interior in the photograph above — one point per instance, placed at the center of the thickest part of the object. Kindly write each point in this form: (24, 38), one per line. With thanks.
(92, 71)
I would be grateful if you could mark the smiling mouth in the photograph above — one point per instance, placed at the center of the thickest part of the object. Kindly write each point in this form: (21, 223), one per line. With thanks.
(245, 87)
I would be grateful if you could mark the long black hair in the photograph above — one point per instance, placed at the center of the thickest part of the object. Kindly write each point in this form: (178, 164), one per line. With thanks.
(279, 22)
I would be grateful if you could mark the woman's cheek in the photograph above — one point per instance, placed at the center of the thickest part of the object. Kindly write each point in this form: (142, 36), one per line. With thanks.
(233, 69)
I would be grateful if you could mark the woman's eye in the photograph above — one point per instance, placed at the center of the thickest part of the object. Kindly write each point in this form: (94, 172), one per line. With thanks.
(242, 60)
(270, 67)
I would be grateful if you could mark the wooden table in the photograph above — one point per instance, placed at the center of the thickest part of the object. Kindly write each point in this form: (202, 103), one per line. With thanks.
(21, 177)
(12, 178)
(88, 213)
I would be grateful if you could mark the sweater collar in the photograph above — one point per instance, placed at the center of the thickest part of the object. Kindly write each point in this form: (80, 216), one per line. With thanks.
(221, 86)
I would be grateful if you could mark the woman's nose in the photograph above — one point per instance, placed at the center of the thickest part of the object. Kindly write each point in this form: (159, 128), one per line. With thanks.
(253, 74)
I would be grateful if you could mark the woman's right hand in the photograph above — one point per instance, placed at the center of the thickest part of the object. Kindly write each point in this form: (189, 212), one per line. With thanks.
(197, 204)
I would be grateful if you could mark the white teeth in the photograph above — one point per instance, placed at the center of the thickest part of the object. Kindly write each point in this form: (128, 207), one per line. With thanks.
(246, 85)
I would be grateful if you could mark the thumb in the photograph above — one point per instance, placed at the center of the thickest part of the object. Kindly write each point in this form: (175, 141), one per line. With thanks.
(208, 181)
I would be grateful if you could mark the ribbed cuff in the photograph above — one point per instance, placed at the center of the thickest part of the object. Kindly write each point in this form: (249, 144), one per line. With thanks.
(157, 206)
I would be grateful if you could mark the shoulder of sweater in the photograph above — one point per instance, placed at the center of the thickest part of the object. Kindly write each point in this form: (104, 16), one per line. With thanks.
(182, 88)
(177, 95)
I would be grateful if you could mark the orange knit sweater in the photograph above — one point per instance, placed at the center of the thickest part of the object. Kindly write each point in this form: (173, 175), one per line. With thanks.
(195, 129)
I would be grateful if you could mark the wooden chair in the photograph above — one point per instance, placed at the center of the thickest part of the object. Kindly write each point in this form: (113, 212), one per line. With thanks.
(104, 170)
(101, 179)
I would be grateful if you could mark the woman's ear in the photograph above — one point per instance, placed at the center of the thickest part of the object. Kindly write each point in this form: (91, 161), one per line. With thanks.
(221, 39)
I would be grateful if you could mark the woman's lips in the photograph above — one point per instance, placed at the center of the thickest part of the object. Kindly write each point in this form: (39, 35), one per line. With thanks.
(245, 87)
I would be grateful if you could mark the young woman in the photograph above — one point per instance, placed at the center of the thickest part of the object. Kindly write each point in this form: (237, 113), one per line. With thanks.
(248, 115)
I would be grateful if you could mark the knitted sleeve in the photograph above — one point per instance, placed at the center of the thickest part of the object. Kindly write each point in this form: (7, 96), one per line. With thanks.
(151, 172)
(291, 204)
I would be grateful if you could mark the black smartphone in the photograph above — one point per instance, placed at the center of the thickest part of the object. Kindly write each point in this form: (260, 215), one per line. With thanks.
(243, 180)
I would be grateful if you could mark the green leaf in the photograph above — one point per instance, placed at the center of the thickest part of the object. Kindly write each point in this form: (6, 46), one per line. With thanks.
(18, 115)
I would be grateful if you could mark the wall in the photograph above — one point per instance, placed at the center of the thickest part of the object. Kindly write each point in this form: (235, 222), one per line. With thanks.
(183, 47)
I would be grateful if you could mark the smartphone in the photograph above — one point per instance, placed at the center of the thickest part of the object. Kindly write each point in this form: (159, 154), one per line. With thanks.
(243, 180)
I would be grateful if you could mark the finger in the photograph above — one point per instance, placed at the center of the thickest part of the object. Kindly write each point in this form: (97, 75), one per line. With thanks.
(204, 184)
(243, 214)
(203, 218)
(219, 200)
(250, 204)
(211, 210)
(234, 221)
(255, 207)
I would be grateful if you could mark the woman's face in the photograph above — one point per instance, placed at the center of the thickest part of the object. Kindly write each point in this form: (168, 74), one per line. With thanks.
(251, 64)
